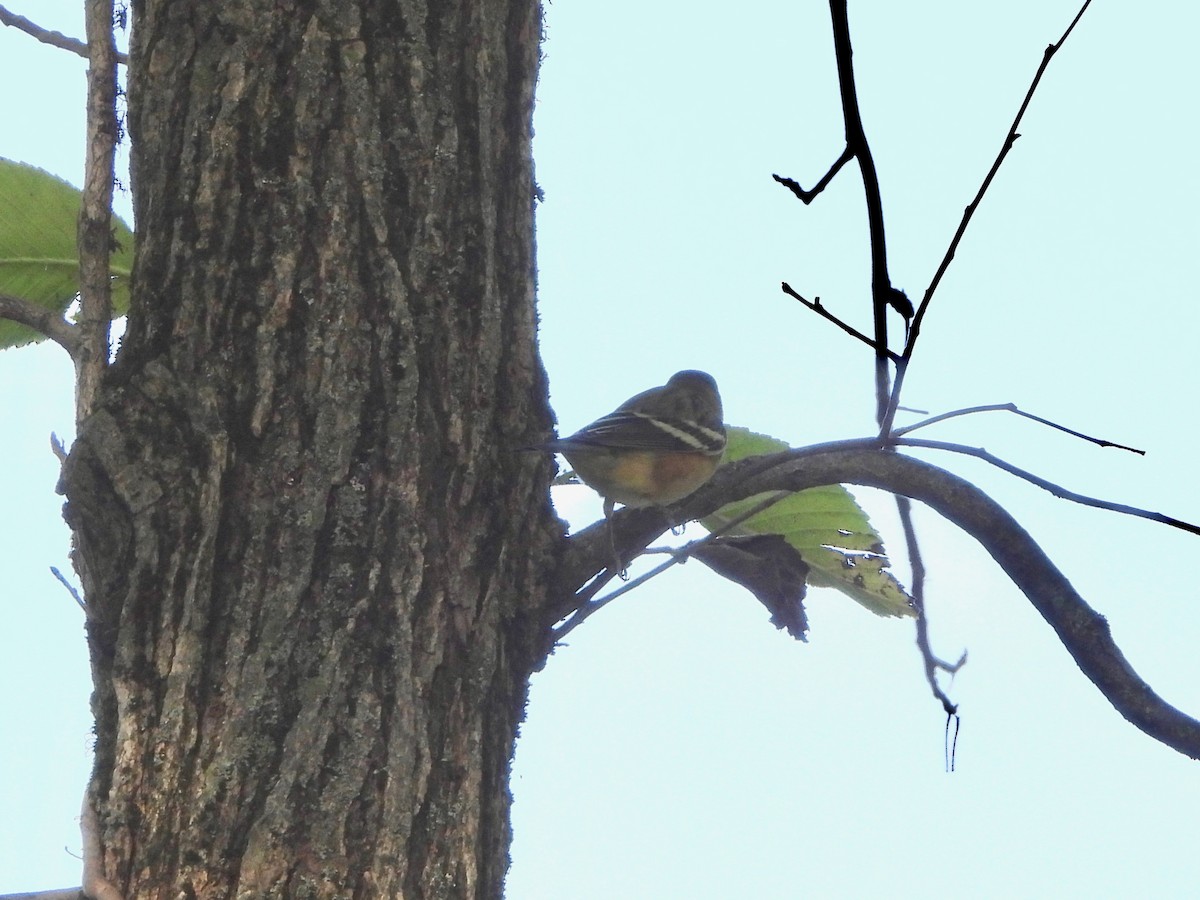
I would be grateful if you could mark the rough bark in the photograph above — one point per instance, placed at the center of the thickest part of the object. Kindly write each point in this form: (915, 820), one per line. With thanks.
(313, 559)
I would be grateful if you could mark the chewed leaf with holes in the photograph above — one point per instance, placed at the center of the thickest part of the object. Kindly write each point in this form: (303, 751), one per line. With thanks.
(39, 260)
(828, 527)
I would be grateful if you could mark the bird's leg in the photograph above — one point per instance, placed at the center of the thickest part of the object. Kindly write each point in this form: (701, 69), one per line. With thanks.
(618, 565)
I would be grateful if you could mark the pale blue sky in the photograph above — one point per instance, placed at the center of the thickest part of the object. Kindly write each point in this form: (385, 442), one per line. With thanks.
(680, 747)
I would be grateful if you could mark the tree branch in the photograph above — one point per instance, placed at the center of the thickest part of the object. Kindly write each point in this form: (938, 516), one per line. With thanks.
(1012, 408)
(42, 320)
(1083, 631)
(95, 217)
(1056, 490)
(815, 306)
(1009, 139)
(856, 142)
(807, 197)
(857, 148)
(79, 601)
(580, 606)
(931, 662)
(53, 38)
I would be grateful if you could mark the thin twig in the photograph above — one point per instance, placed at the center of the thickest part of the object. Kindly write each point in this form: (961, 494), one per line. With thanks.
(815, 306)
(807, 197)
(584, 609)
(587, 609)
(1009, 139)
(1012, 408)
(53, 38)
(931, 662)
(71, 590)
(1050, 486)
(42, 320)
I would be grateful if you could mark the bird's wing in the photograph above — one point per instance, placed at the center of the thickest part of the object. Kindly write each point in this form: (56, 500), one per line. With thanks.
(629, 430)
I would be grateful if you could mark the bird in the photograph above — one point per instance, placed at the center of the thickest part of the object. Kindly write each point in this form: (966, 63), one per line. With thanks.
(657, 447)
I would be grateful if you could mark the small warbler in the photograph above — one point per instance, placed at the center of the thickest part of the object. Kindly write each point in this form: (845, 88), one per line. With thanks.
(655, 448)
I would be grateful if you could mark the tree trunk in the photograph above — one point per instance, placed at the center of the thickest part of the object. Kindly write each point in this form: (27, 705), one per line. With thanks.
(315, 563)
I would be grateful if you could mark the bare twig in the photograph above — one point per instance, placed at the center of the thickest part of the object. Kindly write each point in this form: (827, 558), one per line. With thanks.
(42, 320)
(1050, 486)
(1009, 139)
(807, 197)
(1012, 408)
(931, 662)
(95, 217)
(57, 448)
(582, 608)
(586, 609)
(53, 38)
(71, 590)
(815, 306)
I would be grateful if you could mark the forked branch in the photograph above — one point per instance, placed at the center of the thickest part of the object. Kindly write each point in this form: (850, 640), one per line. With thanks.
(1012, 408)
(858, 149)
(1083, 631)
(815, 306)
(1047, 485)
(1010, 138)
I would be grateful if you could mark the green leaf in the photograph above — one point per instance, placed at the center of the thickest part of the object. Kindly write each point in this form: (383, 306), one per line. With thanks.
(39, 261)
(831, 531)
